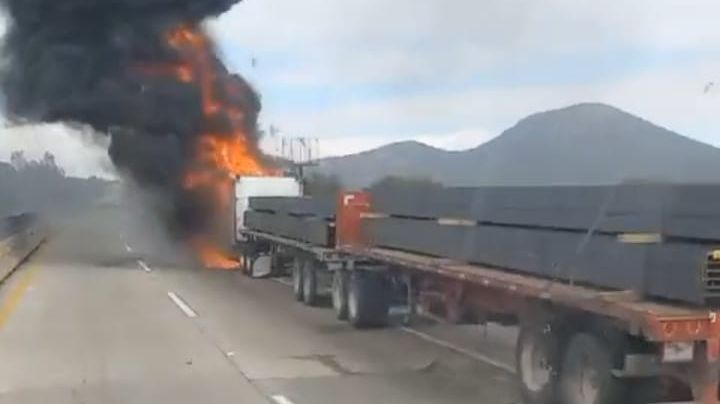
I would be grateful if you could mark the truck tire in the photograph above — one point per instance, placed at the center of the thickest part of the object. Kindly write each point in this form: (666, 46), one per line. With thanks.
(537, 361)
(368, 300)
(297, 279)
(340, 294)
(652, 390)
(277, 264)
(309, 283)
(245, 261)
(586, 376)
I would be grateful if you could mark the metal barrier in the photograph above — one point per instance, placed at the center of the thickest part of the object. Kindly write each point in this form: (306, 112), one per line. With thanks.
(20, 236)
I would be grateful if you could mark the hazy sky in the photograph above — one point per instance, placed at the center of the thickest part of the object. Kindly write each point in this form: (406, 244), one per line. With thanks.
(359, 73)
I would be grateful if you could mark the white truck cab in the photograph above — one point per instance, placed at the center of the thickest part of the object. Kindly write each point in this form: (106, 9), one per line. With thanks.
(247, 187)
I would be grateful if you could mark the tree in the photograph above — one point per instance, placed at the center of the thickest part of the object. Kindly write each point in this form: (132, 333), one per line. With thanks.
(45, 167)
(49, 164)
(18, 160)
(395, 184)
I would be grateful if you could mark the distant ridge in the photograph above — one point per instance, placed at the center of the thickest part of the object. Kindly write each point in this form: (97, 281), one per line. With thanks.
(587, 143)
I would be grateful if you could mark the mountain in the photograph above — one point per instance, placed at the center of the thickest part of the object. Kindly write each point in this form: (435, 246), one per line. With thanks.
(581, 144)
(407, 159)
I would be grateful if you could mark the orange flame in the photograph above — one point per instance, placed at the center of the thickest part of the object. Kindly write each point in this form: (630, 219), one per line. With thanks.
(229, 154)
(182, 72)
(213, 257)
(219, 157)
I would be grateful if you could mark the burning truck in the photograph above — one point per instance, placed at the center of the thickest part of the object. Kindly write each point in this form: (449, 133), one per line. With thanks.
(635, 303)
(147, 75)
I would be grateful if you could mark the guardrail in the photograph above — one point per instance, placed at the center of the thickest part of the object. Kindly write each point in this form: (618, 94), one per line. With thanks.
(20, 236)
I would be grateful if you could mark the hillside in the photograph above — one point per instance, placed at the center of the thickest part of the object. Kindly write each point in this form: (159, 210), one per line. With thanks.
(45, 189)
(402, 159)
(580, 144)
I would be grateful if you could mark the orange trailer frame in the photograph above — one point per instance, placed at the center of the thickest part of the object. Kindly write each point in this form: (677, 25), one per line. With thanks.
(466, 286)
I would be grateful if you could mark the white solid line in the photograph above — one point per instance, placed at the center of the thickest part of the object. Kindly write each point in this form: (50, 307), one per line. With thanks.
(280, 399)
(463, 351)
(472, 354)
(128, 248)
(182, 305)
(144, 266)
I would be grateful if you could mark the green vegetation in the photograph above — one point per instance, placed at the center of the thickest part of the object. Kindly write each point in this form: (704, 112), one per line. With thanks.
(395, 183)
(322, 185)
(42, 186)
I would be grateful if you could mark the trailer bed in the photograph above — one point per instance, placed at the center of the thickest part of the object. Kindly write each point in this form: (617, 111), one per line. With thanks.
(654, 320)
(324, 254)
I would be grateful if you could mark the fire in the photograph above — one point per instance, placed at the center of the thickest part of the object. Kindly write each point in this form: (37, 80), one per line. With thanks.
(226, 152)
(182, 72)
(219, 157)
(212, 256)
(230, 155)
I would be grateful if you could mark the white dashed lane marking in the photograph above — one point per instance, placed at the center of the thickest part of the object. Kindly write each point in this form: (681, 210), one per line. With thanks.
(144, 266)
(467, 352)
(182, 305)
(280, 399)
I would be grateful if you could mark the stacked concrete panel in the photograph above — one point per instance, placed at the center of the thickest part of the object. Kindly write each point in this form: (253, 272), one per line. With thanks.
(323, 207)
(311, 220)
(687, 211)
(582, 234)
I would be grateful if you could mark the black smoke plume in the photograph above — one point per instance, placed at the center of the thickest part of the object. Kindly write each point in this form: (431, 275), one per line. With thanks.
(81, 61)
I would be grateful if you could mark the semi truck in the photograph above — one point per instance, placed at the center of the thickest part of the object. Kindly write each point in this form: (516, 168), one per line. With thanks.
(578, 342)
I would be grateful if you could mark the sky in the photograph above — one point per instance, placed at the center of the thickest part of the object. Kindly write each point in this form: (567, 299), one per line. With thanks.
(357, 74)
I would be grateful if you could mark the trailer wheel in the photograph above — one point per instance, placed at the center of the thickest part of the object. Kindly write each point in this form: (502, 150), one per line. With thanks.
(340, 294)
(653, 390)
(297, 279)
(537, 362)
(586, 376)
(278, 265)
(368, 300)
(309, 283)
(245, 264)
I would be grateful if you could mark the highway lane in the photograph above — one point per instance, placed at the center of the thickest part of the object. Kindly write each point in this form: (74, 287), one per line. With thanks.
(105, 316)
(91, 328)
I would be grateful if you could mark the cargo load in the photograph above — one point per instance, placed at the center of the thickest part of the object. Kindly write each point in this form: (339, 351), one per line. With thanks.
(656, 239)
(306, 219)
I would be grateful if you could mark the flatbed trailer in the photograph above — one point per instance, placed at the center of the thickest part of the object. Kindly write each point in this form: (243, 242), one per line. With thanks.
(310, 265)
(655, 339)
(577, 344)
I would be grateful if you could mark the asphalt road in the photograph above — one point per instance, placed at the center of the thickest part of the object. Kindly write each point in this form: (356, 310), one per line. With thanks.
(105, 314)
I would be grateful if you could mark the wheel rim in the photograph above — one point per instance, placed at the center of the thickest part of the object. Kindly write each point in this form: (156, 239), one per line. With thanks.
(337, 292)
(536, 368)
(587, 385)
(307, 284)
(352, 303)
(297, 283)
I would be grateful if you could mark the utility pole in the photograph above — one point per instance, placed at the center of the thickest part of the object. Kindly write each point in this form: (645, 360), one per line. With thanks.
(301, 153)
